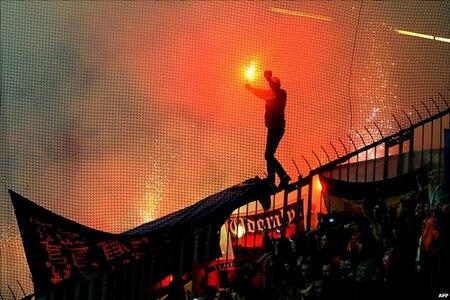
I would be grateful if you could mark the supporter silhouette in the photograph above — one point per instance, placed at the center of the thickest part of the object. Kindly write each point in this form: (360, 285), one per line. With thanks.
(275, 103)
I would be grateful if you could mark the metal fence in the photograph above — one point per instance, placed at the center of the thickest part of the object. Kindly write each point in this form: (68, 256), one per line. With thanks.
(418, 143)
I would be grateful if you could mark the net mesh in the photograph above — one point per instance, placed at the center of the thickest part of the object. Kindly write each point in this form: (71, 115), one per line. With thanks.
(114, 114)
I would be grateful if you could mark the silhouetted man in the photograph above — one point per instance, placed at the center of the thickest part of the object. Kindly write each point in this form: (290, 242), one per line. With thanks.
(275, 99)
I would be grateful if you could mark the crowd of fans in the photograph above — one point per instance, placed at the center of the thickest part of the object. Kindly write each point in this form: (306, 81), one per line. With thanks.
(397, 252)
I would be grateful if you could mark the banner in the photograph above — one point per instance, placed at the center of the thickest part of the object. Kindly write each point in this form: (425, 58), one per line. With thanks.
(58, 249)
(349, 196)
(247, 230)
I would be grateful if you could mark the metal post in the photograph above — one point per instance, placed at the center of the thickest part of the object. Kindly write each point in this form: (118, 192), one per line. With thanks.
(400, 157)
(440, 136)
(104, 287)
(142, 278)
(194, 275)
(208, 240)
(422, 145)
(432, 133)
(348, 164)
(133, 280)
(357, 156)
(254, 231)
(245, 232)
(76, 294)
(375, 153)
(308, 216)
(299, 213)
(411, 150)
(285, 217)
(237, 232)
(386, 160)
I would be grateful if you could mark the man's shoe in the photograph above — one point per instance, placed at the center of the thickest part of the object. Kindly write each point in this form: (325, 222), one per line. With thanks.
(284, 182)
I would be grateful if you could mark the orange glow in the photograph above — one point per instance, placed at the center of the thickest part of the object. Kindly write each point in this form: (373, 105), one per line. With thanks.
(251, 71)
(299, 14)
(319, 185)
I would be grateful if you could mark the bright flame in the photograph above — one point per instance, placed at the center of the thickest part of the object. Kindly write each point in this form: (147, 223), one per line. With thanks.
(240, 231)
(251, 71)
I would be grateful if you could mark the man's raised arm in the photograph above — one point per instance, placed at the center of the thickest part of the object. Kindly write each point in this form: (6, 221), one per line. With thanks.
(260, 93)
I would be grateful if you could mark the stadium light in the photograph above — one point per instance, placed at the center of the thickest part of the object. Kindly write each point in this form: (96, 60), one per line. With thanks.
(421, 35)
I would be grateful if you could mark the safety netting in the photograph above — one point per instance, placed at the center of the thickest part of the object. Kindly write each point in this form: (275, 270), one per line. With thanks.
(117, 113)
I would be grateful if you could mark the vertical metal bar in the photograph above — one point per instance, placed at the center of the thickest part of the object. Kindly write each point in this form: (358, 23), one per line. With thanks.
(423, 141)
(254, 232)
(194, 275)
(386, 160)
(299, 213)
(400, 157)
(91, 289)
(52, 294)
(308, 216)
(365, 168)
(181, 256)
(152, 274)
(374, 163)
(245, 227)
(104, 285)
(348, 164)
(208, 241)
(114, 280)
(440, 144)
(237, 233)
(357, 168)
(142, 278)
(76, 293)
(348, 170)
(125, 276)
(133, 280)
(273, 209)
(411, 153)
(284, 217)
(431, 145)
(357, 155)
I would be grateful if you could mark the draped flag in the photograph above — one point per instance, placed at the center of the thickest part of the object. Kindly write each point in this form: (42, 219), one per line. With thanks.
(342, 195)
(58, 249)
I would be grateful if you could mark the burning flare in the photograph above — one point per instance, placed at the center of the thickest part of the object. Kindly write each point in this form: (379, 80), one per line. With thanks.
(251, 71)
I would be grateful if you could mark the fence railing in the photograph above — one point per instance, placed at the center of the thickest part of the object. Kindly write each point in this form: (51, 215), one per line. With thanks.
(291, 209)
